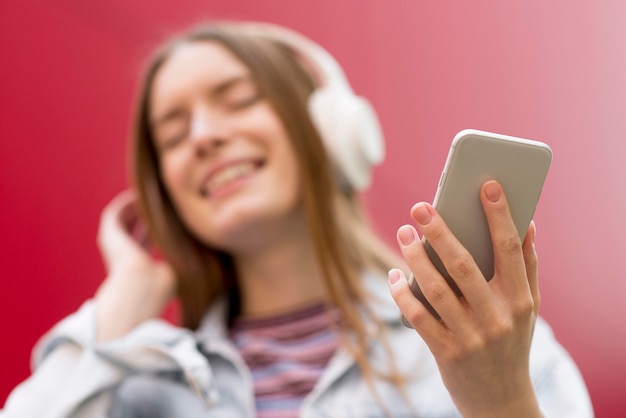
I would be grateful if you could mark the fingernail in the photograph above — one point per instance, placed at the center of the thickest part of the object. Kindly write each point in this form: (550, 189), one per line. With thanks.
(394, 276)
(422, 214)
(406, 235)
(534, 229)
(492, 191)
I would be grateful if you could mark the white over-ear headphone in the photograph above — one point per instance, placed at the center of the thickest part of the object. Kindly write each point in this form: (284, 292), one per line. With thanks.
(346, 122)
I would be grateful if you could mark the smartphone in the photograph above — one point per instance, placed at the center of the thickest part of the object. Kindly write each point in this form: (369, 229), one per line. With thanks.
(519, 165)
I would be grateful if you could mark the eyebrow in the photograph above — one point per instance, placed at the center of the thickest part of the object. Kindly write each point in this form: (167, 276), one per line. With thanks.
(217, 91)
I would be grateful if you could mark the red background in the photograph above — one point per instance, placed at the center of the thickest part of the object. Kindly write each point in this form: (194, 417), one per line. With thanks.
(553, 71)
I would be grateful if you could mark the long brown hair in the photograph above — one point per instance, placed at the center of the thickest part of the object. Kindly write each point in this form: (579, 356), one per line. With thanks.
(345, 245)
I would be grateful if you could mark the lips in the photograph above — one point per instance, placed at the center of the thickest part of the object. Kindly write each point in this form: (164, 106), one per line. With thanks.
(228, 174)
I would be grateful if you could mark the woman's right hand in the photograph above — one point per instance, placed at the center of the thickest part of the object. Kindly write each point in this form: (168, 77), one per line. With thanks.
(481, 340)
(137, 286)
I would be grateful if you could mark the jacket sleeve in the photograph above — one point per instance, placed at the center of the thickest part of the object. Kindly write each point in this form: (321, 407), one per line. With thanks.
(75, 376)
(559, 386)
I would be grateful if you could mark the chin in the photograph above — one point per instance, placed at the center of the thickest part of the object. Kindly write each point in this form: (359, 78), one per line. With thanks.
(239, 229)
(245, 219)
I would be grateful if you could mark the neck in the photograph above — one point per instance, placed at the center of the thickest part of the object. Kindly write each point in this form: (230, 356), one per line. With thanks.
(282, 275)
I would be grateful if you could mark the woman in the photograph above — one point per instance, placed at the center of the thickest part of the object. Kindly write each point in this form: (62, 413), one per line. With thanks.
(248, 155)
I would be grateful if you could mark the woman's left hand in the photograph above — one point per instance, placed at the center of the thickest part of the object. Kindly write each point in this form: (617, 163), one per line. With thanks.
(482, 341)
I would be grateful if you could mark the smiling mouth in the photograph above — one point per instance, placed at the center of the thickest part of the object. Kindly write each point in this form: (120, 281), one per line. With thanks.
(229, 175)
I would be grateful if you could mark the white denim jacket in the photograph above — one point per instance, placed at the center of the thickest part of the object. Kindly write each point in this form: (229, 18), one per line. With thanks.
(76, 377)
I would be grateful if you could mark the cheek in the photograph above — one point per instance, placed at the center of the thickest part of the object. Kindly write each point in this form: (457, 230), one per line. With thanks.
(175, 177)
(290, 178)
(295, 180)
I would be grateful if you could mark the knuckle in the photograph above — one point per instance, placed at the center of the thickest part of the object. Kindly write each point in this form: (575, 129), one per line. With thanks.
(435, 233)
(523, 307)
(453, 355)
(510, 245)
(499, 328)
(537, 301)
(476, 344)
(435, 292)
(462, 267)
(416, 316)
(411, 255)
(459, 353)
(501, 208)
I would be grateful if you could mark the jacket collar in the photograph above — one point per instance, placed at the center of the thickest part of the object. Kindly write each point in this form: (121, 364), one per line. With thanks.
(379, 302)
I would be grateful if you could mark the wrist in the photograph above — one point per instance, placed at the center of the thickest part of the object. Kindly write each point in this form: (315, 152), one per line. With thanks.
(525, 405)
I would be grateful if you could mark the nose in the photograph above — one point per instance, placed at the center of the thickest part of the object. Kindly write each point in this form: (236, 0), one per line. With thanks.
(207, 131)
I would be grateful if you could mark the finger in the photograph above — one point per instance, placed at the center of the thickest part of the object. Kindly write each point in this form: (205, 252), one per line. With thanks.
(128, 213)
(457, 261)
(509, 268)
(530, 260)
(133, 224)
(413, 311)
(438, 295)
(120, 201)
(116, 221)
(111, 213)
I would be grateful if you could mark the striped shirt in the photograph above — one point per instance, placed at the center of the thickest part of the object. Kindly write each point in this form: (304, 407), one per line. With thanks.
(286, 354)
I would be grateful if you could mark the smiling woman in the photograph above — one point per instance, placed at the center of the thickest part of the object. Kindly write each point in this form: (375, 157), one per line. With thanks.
(222, 148)
(249, 152)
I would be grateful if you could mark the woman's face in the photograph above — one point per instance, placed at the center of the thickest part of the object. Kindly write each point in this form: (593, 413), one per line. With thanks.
(224, 155)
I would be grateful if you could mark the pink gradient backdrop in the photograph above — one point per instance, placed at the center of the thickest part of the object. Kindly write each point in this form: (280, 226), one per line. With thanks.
(553, 71)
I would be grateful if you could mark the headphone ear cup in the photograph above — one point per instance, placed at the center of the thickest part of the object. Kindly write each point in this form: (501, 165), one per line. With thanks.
(351, 133)
(369, 132)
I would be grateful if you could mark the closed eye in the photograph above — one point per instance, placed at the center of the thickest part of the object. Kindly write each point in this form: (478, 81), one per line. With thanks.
(171, 131)
(239, 94)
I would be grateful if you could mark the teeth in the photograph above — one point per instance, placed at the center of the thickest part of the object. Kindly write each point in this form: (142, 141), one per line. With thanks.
(229, 174)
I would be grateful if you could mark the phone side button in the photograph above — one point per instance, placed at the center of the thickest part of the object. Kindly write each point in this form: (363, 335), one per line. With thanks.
(441, 178)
